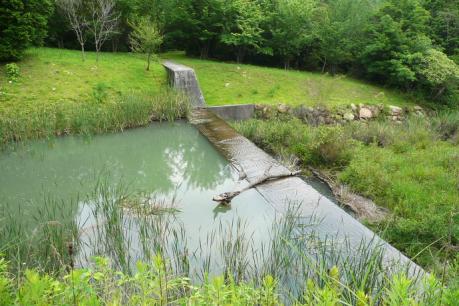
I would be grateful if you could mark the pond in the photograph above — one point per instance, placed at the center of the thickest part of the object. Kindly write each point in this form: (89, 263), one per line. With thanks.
(75, 187)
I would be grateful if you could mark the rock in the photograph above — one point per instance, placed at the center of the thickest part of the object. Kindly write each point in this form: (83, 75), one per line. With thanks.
(259, 106)
(418, 108)
(349, 116)
(282, 108)
(375, 110)
(353, 107)
(365, 113)
(395, 110)
(266, 112)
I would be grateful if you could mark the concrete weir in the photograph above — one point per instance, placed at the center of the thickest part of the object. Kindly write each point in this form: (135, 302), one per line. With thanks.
(333, 222)
(184, 78)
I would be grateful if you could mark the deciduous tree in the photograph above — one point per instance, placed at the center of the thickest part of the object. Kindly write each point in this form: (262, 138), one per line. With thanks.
(146, 37)
(103, 22)
(75, 14)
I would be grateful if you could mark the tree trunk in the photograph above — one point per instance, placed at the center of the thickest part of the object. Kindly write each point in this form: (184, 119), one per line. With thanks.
(148, 61)
(240, 54)
(204, 51)
(83, 56)
(286, 63)
(324, 65)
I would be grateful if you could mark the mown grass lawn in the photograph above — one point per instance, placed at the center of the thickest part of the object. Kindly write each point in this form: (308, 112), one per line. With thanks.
(229, 83)
(58, 75)
(59, 94)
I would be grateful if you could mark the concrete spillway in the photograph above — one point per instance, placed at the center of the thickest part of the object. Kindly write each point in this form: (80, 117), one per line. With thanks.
(183, 78)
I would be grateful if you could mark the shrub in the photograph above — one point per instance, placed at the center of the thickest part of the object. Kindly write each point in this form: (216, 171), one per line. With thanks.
(151, 285)
(446, 124)
(99, 92)
(12, 72)
(329, 146)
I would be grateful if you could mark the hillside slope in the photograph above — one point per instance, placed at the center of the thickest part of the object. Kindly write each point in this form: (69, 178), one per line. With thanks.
(229, 83)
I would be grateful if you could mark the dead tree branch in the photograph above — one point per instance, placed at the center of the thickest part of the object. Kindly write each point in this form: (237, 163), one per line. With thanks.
(225, 198)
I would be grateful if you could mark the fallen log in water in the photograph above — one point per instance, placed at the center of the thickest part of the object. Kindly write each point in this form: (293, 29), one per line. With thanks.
(226, 197)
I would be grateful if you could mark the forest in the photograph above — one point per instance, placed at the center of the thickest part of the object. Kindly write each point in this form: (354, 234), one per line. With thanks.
(411, 45)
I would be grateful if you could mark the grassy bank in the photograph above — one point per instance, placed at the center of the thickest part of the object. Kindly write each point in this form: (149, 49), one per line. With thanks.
(229, 83)
(410, 168)
(56, 76)
(58, 94)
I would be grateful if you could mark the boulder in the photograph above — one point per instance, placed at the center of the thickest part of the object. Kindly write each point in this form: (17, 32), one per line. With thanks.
(395, 110)
(348, 116)
(282, 108)
(365, 113)
(353, 107)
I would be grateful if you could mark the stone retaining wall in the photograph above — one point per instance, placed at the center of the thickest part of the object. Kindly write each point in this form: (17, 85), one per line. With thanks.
(339, 115)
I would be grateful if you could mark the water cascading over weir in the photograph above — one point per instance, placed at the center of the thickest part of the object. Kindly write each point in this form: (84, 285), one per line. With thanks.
(330, 220)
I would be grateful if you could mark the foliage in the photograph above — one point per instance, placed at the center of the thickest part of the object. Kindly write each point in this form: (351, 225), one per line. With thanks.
(12, 72)
(244, 31)
(150, 285)
(439, 74)
(146, 38)
(397, 41)
(285, 16)
(444, 24)
(22, 24)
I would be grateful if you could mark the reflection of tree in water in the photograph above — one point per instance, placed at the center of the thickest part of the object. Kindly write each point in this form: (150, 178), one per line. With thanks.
(195, 162)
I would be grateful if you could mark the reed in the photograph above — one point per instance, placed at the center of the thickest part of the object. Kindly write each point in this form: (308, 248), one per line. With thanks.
(129, 110)
(148, 254)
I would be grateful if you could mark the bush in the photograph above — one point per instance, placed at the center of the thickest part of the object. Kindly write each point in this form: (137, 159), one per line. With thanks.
(22, 23)
(446, 125)
(99, 92)
(12, 72)
(151, 285)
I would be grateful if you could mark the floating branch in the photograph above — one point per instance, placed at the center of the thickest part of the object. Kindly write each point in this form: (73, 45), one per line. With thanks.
(225, 198)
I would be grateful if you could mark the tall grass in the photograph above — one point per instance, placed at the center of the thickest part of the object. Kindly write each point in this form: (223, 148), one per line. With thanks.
(156, 264)
(411, 168)
(92, 117)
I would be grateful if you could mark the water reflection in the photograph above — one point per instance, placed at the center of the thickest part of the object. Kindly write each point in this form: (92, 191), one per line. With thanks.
(61, 183)
(155, 159)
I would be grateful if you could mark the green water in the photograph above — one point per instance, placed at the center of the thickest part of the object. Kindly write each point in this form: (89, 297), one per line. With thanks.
(171, 161)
